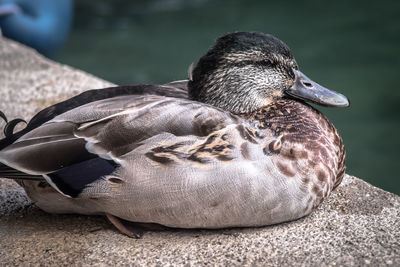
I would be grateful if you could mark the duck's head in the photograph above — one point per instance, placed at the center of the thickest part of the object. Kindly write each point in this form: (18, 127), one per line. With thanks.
(245, 71)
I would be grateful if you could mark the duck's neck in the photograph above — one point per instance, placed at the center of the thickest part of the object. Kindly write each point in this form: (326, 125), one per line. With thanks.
(233, 96)
(283, 116)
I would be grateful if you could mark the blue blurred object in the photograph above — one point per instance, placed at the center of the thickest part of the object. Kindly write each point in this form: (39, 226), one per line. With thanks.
(41, 24)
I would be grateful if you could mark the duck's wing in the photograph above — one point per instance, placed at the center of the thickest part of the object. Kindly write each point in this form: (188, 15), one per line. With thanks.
(176, 89)
(85, 143)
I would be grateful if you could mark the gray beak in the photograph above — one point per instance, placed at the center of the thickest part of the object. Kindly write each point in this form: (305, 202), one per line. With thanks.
(306, 89)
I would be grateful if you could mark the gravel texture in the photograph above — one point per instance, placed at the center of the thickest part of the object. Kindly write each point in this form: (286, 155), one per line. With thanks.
(358, 225)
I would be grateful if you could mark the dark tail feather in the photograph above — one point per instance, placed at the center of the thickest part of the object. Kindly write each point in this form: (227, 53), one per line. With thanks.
(10, 173)
(8, 130)
(6, 171)
(3, 116)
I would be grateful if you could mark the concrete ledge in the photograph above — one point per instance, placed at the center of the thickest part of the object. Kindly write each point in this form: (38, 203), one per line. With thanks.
(29, 82)
(358, 225)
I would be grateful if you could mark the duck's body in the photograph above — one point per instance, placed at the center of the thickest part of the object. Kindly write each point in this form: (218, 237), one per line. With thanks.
(148, 156)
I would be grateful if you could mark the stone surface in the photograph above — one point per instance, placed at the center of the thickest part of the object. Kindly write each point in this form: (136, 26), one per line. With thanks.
(357, 225)
(29, 82)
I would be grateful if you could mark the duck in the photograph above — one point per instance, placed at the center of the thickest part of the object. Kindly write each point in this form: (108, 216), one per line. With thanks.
(235, 145)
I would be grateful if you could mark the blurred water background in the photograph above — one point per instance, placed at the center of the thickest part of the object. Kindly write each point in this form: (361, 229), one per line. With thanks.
(349, 46)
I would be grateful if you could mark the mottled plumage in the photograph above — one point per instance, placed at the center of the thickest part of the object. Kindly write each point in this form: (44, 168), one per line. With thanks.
(230, 147)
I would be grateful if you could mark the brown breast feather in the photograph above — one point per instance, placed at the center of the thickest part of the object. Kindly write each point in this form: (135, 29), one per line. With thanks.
(295, 124)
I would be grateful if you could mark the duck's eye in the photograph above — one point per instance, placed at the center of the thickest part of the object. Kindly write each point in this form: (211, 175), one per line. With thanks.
(267, 62)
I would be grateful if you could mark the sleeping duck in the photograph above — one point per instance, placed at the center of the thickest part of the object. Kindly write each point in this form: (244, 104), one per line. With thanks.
(234, 146)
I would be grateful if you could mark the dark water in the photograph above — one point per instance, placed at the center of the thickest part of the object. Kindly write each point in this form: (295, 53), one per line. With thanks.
(351, 47)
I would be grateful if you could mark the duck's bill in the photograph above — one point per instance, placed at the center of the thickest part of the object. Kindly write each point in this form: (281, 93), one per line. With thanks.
(306, 89)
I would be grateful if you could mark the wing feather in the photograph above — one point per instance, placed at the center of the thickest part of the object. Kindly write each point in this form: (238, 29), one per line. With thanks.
(109, 128)
(176, 89)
